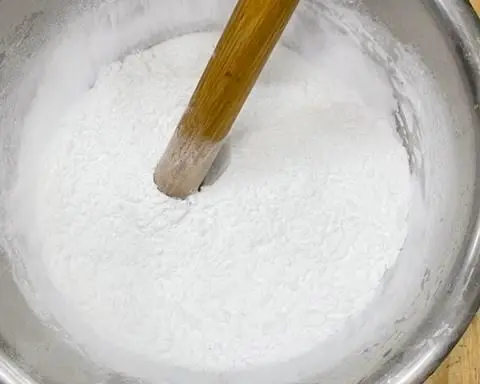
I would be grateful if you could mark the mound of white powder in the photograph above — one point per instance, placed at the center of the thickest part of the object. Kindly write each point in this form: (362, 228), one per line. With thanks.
(261, 266)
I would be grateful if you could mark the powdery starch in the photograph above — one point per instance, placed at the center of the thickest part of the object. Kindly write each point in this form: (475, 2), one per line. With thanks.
(261, 266)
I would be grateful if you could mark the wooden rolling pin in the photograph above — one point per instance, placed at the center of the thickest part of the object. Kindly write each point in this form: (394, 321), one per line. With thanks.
(243, 50)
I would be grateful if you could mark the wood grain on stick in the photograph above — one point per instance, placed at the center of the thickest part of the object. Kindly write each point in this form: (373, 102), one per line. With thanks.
(241, 53)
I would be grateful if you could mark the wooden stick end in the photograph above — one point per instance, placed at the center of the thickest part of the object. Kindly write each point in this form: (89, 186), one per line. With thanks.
(184, 166)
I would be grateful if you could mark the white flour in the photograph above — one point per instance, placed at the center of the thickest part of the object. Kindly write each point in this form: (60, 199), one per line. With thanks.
(291, 241)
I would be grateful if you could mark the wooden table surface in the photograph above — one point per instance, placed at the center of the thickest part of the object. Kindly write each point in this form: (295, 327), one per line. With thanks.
(476, 4)
(463, 364)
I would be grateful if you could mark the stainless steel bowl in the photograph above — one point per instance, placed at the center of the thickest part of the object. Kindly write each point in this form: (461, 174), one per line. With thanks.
(431, 295)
